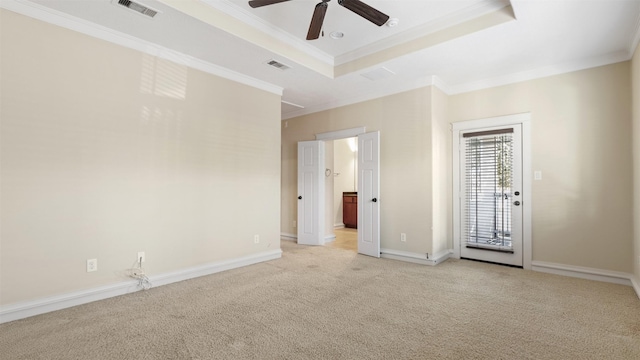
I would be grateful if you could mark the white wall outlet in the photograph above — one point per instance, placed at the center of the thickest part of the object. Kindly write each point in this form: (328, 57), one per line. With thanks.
(141, 257)
(92, 265)
(403, 237)
(295, 223)
(256, 239)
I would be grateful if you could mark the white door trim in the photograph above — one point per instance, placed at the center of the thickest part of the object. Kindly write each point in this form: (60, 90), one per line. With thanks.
(341, 134)
(524, 120)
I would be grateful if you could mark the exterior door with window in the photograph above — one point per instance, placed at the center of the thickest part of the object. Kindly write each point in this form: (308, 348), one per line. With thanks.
(491, 221)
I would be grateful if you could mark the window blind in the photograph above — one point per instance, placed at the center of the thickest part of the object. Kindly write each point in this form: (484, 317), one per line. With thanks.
(488, 174)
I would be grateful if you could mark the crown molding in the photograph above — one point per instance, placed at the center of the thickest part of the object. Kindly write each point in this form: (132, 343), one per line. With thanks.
(73, 23)
(539, 73)
(440, 84)
(395, 88)
(634, 38)
(470, 86)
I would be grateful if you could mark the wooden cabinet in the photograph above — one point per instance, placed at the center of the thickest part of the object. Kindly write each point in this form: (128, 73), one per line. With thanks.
(350, 209)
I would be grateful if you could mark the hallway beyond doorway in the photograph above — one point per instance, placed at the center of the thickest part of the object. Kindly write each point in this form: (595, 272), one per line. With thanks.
(346, 239)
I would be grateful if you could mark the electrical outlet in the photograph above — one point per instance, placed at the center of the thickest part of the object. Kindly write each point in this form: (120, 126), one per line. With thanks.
(403, 237)
(141, 257)
(256, 239)
(295, 223)
(92, 265)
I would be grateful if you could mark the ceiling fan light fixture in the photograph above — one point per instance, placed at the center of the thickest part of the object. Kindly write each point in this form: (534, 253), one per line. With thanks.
(336, 35)
(393, 22)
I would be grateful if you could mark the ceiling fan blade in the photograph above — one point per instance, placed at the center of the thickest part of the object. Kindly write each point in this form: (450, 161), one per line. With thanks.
(365, 11)
(316, 21)
(258, 3)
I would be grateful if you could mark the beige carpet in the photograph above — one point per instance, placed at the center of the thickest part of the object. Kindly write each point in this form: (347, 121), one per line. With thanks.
(324, 303)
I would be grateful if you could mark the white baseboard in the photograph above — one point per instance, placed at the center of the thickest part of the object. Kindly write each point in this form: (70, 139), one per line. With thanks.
(416, 258)
(53, 303)
(584, 273)
(635, 282)
(338, 226)
(293, 237)
(289, 236)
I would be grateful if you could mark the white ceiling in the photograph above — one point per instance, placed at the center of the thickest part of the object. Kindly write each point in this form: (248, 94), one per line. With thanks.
(545, 38)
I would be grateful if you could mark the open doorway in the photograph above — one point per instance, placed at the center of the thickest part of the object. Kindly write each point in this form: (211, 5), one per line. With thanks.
(315, 203)
(345, 194)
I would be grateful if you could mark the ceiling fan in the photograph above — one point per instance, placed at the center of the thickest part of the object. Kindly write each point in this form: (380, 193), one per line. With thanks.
(317, 19)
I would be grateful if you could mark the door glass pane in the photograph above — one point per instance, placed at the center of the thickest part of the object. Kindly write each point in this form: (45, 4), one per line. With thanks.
(488, 197)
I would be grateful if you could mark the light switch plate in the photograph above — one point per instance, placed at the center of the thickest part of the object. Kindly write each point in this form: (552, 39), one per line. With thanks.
(537, 175)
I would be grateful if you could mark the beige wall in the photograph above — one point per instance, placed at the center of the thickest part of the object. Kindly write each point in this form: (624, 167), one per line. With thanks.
(635, 83)
(581, 135)
(107, 152)
(405, 151)
(581, 141)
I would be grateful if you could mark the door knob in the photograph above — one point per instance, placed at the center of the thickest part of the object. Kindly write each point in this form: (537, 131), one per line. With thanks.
(374, 200)
(299, 197)
(517, 203)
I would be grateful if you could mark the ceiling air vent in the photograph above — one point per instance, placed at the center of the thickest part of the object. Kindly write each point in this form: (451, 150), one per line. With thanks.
(144, 10)
(278, 65)
(378, 74)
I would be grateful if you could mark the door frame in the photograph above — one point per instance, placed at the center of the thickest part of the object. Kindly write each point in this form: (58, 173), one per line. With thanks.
(343, 134)
(523, 119)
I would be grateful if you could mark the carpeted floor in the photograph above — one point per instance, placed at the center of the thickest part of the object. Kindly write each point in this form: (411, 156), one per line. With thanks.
(326, 303)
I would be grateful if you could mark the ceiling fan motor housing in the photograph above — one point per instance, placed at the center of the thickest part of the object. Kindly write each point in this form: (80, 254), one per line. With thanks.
(357, 6)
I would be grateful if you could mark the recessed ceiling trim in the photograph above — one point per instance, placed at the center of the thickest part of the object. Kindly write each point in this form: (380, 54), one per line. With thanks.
(73, 23)
(451, 20)
(476, 24)
(262, 25)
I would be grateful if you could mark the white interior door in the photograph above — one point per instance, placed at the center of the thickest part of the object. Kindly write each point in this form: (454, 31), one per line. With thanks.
(311, 193)
(491, 225)
(369, 194)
